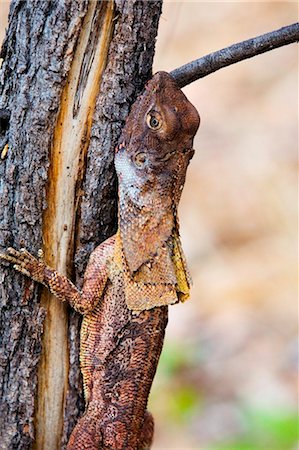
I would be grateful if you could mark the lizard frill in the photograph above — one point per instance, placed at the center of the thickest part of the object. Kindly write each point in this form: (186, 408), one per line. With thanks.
(141, 292)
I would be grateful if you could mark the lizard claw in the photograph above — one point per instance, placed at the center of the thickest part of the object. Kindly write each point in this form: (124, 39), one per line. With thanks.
(21, 270)
(8, 258)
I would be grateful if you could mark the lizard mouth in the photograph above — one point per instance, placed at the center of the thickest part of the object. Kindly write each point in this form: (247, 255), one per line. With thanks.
(167, 156)
(186, 151)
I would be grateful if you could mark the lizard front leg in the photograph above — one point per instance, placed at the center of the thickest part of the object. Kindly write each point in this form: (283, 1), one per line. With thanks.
(95, 277)
(35, 268)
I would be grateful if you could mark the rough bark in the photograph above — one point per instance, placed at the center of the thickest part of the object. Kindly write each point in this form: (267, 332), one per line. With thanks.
(38, 53)
(37, 56)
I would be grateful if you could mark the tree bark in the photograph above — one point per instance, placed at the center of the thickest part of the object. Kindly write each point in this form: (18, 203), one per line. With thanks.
(70, 73)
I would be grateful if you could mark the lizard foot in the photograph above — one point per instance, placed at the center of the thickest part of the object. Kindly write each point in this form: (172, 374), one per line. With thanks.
(25, 263)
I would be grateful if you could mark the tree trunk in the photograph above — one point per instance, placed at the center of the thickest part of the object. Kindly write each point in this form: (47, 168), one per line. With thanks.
(70, 73)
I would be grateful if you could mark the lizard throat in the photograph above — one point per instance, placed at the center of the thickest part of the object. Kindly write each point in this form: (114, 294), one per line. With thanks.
(143, 229)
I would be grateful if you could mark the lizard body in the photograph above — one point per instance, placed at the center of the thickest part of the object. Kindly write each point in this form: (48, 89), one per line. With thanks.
(132, 277)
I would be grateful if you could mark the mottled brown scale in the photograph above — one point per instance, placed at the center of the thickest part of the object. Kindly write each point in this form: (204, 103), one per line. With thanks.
(132, 277)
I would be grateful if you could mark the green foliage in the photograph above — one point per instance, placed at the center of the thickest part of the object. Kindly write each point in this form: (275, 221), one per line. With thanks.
(174, 358)
(273, 430)
(182, 403)
(177, 396)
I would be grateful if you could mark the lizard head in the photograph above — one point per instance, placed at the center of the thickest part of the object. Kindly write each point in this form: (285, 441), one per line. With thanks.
(157, 142)
(151, 160)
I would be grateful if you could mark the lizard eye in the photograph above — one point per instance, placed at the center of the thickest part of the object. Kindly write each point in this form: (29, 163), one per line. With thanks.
(154, 120)
(140, 159)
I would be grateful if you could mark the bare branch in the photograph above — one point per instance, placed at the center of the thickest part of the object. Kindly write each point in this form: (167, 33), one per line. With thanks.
(230, 55)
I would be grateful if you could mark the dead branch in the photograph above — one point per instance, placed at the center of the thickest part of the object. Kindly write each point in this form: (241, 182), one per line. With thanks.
(235, 53)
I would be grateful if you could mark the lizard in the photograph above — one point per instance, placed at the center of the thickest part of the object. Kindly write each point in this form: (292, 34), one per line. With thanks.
(133, 276)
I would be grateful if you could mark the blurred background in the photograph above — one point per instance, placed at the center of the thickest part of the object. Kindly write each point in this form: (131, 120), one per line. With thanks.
(227, 376)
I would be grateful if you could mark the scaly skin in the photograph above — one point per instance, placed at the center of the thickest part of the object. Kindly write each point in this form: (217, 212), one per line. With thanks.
(132, 277)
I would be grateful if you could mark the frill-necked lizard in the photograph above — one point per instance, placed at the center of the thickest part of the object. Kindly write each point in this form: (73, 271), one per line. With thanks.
(132, 277)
